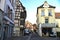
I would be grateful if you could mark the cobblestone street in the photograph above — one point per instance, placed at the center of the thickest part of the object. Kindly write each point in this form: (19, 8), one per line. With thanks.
(34, 37)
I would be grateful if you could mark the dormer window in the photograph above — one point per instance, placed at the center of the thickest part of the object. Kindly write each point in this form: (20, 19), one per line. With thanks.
(42, 13)
(49, 12)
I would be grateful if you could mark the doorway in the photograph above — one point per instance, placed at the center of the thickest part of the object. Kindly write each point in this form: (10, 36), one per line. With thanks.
(46, 31)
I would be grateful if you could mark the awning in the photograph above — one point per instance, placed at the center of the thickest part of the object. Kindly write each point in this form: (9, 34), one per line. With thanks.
(48, 25)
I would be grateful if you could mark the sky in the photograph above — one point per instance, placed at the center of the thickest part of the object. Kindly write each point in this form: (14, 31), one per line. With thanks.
(31, 7)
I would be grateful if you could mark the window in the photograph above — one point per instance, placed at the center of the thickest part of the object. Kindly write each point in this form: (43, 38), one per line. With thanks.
(22, 22)
(42, 13)
(49, 12)
(46, 20)
(16, 24)
(16, 14)
(18, 17)
(17, 10)
(15, 21)
(22, 15)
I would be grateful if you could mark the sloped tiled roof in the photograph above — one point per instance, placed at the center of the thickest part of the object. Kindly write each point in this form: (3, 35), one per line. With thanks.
(57, 15)
(50, 6)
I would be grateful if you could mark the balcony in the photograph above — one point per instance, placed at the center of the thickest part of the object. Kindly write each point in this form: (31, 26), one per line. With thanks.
(48, 25)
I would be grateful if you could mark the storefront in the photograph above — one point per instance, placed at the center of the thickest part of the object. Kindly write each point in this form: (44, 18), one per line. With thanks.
(46, 31)
(8, 28)
(1, 24)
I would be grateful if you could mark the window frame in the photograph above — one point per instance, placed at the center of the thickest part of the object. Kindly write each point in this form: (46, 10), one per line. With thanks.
(42, 12)
(46, 21)
(49, 12)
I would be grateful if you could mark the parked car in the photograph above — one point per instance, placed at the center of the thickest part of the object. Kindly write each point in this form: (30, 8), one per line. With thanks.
(53, 35)
(26, 31)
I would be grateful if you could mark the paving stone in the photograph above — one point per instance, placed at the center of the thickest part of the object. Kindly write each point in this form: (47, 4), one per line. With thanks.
(33, 36)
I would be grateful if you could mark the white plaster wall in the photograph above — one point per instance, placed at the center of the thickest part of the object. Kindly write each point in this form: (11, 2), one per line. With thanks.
(9, 4)
(2, 3)
(11, 7)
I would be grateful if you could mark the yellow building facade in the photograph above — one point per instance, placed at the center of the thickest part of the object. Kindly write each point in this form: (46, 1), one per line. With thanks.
(46, 15)
(46, 20)
(58, 22)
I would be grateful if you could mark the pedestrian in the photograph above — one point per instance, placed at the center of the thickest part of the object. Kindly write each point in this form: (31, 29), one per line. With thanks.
(35, 28)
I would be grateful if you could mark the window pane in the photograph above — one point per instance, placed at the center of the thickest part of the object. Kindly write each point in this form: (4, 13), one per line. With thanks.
(22, 22)
(42, 13)
(50, 13)
(18, 17)
(16, 14)
(16, 24)
(46, 20)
